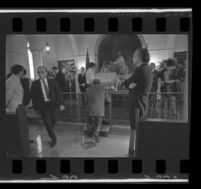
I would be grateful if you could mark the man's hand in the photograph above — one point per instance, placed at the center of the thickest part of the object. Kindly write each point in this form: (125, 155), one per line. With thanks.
(83, 84)
(61, 107)
(132, 85)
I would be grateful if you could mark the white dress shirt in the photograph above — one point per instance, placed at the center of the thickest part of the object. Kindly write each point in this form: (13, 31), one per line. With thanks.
(46, 99)
(14, 93)
(90, 76)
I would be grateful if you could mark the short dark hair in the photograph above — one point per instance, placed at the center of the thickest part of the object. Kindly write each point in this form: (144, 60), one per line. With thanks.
(15, 69)
(145, 56)
(42, 67)
(55, 68)
(170, 62)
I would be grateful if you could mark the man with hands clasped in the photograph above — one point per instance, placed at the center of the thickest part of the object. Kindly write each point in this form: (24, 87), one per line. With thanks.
(139, 85)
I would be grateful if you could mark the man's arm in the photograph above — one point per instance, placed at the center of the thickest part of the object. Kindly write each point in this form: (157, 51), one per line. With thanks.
(132, 79)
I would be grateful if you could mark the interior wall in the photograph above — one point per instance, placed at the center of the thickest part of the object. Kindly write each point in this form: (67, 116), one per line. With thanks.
(181, 43)
(75, 46)
(16, 52)
(158, 47)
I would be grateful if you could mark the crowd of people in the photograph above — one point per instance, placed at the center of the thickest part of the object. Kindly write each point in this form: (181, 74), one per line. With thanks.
(167, 82)
(45, 92)
(45, 95)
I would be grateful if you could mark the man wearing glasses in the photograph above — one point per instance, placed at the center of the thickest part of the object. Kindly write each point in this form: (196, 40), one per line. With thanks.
(46, 96)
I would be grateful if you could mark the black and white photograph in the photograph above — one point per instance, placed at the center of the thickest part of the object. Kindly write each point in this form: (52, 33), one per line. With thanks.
(97, 95)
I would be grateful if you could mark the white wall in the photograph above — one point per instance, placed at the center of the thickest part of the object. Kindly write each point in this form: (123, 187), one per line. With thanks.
(16, 52)
(160, 46)
(75, 47)
(181, 43)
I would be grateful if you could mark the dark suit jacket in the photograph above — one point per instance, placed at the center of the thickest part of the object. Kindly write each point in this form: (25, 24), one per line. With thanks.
(38, 98)
(82, 80)
(138, 96)
(60, 78)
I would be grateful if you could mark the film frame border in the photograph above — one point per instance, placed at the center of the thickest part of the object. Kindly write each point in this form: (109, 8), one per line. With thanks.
(39, 24)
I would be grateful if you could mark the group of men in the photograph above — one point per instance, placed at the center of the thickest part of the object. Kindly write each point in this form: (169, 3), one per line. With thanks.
(139, 85)
(46, 95)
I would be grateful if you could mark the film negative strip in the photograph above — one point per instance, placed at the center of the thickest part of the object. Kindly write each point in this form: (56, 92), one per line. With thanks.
(155, 149)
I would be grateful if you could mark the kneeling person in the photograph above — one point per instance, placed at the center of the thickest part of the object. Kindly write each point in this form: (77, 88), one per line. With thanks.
(95, 109)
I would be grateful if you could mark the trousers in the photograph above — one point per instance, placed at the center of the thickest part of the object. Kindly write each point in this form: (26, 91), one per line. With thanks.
(48, 115)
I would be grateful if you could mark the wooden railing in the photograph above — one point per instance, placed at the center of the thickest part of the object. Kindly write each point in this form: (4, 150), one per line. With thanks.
(160, 106)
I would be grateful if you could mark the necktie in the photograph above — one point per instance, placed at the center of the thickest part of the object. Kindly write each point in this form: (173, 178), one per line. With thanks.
(46, 89)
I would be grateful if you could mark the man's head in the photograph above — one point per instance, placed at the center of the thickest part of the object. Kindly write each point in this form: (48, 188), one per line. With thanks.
(82, 69)
(152, 66)
(141, 56)
(170, 64)
(42, 72)
(55, 69)
(163, 64)
(18, 70)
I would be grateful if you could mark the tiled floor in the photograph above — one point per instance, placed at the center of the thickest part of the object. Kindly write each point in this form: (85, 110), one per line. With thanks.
(70, 138)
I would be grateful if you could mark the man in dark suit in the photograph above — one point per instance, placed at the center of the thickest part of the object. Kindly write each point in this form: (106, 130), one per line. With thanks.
(60, 78)
(139, 85)
(45, 98)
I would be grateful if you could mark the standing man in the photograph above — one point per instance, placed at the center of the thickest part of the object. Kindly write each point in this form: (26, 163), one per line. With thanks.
(60, 78)
(82, 83)
(45, 97)
(14, 89)
(90, 74)
(139, 85)
(153, 96)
